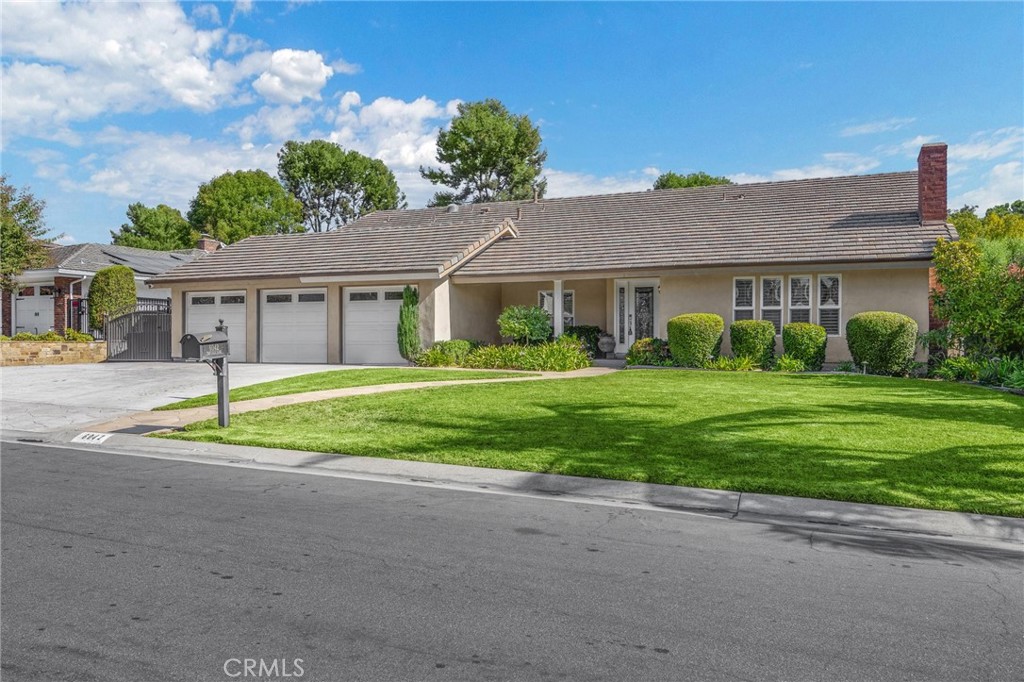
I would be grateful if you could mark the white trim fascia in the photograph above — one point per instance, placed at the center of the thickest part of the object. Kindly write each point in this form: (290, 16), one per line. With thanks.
(396, 277)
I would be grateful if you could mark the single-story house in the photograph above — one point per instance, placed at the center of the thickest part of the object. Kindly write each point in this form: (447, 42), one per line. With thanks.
(53, 297)
(817, 250)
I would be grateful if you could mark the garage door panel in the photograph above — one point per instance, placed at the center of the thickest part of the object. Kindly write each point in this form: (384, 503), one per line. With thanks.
(293, 326)
(205, 309)
(370, 327)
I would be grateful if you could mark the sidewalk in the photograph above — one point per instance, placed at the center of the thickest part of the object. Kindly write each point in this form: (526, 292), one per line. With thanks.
(153, 421)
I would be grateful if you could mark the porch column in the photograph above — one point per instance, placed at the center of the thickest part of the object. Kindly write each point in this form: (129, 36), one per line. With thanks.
(558, 313)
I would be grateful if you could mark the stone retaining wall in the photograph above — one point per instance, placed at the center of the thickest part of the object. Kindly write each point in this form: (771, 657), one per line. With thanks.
(13, 353)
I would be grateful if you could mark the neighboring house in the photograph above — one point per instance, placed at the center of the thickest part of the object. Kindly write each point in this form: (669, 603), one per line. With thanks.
(52, 297)
(815, 250)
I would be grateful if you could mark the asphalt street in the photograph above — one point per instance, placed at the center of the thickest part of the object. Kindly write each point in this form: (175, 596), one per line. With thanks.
(127, 568)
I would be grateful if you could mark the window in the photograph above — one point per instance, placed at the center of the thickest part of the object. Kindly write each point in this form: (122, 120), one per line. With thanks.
(622, 314)
(362, 296)
(46, 291)
(800, 298)
(546, 300)
(279, 298)
(392, 295)
(27, 291)
(743, 298)
(204, 300)
(771, 301)
(829, 302)
(232, 300)
(311, 298)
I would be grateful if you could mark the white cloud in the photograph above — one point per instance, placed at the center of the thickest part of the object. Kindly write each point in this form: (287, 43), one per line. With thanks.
(155, 168)
(570, 184)
(348, 68)
(206, 12)
(832, 164)
(275, 124)
(292, 76)
(240, 8)
(1003, 184)
(65, 239)
(874, 127)
(989, 145)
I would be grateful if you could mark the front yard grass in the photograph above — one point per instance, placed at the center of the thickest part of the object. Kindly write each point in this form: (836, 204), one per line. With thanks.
(901, 442)
(340, 378)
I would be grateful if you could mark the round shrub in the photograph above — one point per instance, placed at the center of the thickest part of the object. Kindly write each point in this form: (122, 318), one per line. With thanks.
(805, 342)
(754, 339)
(695, 338)
(884, 341)
(525, 323)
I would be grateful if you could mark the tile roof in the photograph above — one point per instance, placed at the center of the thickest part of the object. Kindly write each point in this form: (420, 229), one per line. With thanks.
(94, 257)
(386, 245)
(829, 220)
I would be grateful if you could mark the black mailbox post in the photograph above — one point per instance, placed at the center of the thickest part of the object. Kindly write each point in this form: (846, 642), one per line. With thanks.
(212, 348)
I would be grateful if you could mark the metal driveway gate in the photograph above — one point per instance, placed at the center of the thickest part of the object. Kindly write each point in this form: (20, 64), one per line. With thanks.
(141, 334)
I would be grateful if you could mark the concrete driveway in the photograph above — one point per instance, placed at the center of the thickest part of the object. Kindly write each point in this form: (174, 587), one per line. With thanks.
(41, 399)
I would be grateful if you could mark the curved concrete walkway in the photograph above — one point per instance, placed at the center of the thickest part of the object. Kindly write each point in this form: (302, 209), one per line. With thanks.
(150, 421)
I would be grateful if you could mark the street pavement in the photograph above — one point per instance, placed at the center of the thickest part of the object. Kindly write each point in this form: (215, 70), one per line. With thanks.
(130, 568)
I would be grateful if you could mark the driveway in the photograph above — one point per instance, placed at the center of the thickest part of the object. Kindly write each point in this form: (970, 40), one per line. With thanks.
(50, 397)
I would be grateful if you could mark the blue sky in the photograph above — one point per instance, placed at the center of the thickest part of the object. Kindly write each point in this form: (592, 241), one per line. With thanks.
(108, 104)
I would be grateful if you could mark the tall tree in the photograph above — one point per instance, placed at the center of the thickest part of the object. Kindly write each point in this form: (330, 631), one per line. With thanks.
(162, 228)
(335, 186)
(1005, 221)
(672, 180)
(237, 205)
(490, 155)
(22, 232)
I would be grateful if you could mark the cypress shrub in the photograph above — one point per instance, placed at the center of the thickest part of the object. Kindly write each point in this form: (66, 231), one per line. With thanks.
(884, 341)
(409, 324)
(695, 339)
(805, 342)
(754, 339)
(112, 291)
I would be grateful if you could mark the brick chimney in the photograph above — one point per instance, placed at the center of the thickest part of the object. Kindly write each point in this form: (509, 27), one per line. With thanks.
(209, 244)
(931, 182)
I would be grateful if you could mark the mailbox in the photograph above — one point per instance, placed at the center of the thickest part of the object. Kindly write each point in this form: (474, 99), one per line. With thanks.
(204, 346)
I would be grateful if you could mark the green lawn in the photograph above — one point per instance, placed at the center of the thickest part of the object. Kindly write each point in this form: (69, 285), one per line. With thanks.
(865, 439)
(341, 378)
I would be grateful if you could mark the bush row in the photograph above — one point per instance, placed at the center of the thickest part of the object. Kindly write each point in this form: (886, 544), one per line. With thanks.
(564, 354)
(1005, 371)
(70, 335)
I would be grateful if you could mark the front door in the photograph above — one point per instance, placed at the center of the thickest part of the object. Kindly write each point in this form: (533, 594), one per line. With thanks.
(636, 311)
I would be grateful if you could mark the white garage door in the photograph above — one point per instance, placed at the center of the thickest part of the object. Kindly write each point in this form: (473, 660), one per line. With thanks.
(33, 310)
(370, 325)
(204, 309)
(293, 325)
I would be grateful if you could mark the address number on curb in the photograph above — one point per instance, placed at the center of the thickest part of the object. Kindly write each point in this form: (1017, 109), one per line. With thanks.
(90, 437)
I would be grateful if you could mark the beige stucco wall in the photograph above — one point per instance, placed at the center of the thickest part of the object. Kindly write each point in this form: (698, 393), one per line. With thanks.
(897, 290)
(590, 298)
(474, 312)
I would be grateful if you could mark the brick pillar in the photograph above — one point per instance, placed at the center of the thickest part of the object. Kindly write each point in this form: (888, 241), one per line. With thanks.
(931, 183)
(64, 286)
(6, 305)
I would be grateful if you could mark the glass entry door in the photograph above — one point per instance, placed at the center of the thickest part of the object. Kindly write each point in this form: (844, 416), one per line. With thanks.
(636, 311)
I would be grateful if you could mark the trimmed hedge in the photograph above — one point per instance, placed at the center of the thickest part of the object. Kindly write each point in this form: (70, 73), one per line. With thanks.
(884, 341)
(695, 338)
(112, 291)
(754, 339)
(564, 354)
(805, 342)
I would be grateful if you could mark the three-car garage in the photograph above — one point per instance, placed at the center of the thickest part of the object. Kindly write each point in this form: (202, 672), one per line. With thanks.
(291, 325)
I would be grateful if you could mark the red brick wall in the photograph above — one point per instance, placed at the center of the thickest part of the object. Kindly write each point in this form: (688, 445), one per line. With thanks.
(931, 182)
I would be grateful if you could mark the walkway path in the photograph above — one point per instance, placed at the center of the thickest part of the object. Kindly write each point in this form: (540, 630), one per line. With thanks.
(149, 421)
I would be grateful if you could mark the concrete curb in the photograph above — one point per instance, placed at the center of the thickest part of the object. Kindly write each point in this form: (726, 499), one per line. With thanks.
(656, 497)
